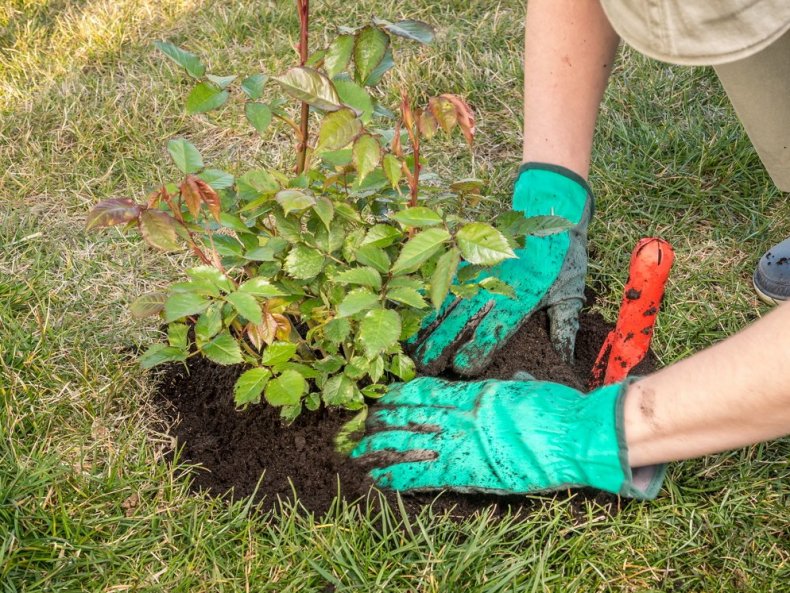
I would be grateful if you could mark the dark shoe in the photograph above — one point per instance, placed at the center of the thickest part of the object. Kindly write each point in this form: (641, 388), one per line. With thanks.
(772, 276)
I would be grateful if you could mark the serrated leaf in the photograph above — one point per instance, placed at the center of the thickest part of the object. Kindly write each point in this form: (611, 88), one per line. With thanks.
(338, 130)
(259, 115)
(361, 276)
(357, 367)
(112, 212)
(427, 124)
(480, 243)
(325, 210)
(379, 71)
(304, 262)
(278, 353)
(158, 229)
(381, 235)
(211, 275)
(310, 86)
(366, 155)
(356, 97)
(419, 249)
(253, 85)
(418, 216)
(378, 330)
(223, 349)
(187, 60)
(338, 55)
(497, 286)
(463, 115)
(205, 97)
(217, 178)
(359, 299)
(370, 47)
(185, 155)
(392, 169)
(444, 112)
(151, 303)
(208, 324)
(467, 186)
(261, 287)
(337, 330)
(249, 386)
(182, 304)
(376, 369)
(442, 276)
(403, 367)
(294, 200)
(160, 353)
(338, 391)
(229, 221)
(286, 390)
(221, 81)
(177, 335)
(246, 305)
(254, 184)
(407, 296)
(410, 29)
(465, 291)
(376, 257)
(329, 364)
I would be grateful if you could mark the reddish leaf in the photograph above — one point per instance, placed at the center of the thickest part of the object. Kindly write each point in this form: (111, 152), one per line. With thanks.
(283, 331)
(426, 124)
(464, 115)
(191, 195)
(158, 230)
(209, 196)
(444, 112)
(112, 212)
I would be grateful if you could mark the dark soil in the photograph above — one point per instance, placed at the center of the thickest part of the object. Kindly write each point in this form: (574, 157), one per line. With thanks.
(235, 448)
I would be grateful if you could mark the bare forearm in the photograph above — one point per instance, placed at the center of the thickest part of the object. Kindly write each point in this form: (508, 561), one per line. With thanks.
(568, 53)
(733, 394)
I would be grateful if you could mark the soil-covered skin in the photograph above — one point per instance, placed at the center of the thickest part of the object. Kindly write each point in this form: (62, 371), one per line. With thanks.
(235, 448)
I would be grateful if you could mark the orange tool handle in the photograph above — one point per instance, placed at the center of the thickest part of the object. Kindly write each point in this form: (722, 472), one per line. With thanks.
(627, 344)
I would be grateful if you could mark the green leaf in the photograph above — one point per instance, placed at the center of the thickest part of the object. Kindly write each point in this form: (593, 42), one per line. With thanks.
(310, 86)
(345, 211)
(112, 212)
(338, 55)
(286, 390)
(329, 364)
(419, 249)
(410, 29)
(480, 243)
(381, 235)
(177, 335)
(205, 97)
(465, 291)
(254, 184)
(261, 287)
(217, 179)
(338, 391)
(357, 367)
(211, 275)
(540, 226)
(411, 322)
(290, 413)
(379, 71)
(325, 210)
(351, 433)
(370, 46)
(185, 155)
(229, 221)
(359, 299)
(253, 85)
(249, 386)
(247, 306)
(187, 60)
(376, 369)
(223, 349)
(304, 262)
(356, 97)
(337, 158)
(259, 115)
(407, 296)
(442, 276)
(418, 216)
(497, 286)
(221, 81)
(370, 255)
(208, 324)
(278, 353)
(378, 330)
(403, 367)
(338, 130)
(158, 230)
(467, 186)
(337, 330)
(294, 200)
(151, 303)
(313, 401)
(392, 169)
(362, 276)
(159, 353)
(366, 155)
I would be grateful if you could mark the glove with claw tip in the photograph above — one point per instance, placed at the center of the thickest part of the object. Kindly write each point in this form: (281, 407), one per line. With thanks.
(548, 272)
(505, 437)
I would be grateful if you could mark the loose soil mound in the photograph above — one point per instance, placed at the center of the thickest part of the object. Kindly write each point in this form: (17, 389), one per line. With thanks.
(235, 448)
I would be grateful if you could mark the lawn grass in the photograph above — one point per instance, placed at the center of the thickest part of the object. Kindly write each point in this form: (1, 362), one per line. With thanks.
(87, 502)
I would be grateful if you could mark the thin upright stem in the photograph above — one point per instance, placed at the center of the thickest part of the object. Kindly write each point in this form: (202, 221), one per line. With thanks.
(303, 7)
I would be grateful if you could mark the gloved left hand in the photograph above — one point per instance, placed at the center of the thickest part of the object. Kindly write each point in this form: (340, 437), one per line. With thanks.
(502, 437)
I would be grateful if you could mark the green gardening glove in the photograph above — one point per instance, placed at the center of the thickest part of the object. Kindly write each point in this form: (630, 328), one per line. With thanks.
(548, 272)
(502, 437)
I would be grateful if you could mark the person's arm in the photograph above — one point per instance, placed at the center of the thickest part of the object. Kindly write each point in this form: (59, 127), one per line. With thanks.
(569, 48)
(733, 394)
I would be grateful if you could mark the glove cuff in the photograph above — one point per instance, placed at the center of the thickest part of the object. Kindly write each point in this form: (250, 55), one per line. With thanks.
(543, 189)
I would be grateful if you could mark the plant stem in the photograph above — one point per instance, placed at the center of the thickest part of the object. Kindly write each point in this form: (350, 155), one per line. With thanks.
(303, 8)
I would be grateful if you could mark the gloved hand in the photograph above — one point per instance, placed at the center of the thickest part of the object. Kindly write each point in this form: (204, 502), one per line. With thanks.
(502, 437)
(548, 272)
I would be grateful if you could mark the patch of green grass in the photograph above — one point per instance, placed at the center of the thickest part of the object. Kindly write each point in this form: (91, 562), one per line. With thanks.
(86, 500)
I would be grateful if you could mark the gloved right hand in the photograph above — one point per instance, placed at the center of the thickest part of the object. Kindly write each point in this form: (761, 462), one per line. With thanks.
(547, 273)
